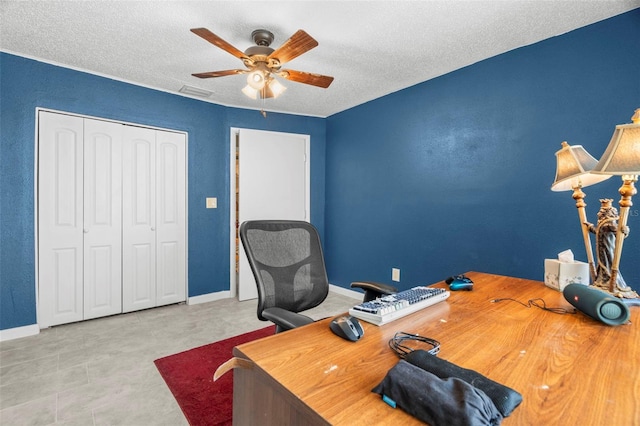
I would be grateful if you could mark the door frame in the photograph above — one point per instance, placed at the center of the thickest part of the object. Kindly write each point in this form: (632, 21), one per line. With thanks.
(35, 192)
(233, 139)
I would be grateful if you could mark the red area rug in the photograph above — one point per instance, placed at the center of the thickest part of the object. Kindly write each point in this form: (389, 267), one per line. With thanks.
(189, 376)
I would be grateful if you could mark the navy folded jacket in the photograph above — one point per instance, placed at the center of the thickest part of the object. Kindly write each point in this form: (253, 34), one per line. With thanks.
(436, 401)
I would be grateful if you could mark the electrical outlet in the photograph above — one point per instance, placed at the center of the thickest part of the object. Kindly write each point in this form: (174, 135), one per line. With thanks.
(212, 203)
(395, 274)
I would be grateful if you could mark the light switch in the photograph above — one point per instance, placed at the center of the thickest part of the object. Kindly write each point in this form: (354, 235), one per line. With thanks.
(395, 274)
(212, 203)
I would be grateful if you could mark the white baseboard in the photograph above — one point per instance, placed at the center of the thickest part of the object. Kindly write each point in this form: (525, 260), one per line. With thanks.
(18, 332)
(32, 330)
(212, 297)
(209, 297)
(346, 292)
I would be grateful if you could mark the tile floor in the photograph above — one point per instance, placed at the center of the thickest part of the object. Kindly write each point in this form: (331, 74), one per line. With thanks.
(101, 372)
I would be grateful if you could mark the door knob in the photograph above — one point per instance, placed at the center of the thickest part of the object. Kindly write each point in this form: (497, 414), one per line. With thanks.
(86, 231)
(153, 228)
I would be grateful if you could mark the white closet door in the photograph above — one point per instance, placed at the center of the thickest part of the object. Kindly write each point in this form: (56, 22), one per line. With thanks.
(170, 218)
(60, 211)
(102, 218)
(138, 219)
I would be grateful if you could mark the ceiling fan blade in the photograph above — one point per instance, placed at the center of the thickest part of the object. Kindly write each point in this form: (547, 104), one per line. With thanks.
(295, 46)
(218, 73)
(217, 41)
(307, 78)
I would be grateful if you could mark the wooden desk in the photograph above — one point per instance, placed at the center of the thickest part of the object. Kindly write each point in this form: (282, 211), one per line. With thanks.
(570, 369)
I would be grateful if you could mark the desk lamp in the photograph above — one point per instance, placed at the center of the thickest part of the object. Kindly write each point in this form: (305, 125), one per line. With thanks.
(573, 168)
(622, 157)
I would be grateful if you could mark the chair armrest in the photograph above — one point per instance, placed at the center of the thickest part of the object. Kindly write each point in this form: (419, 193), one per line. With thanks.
(373, 286)
(373, 290)
(285, 320)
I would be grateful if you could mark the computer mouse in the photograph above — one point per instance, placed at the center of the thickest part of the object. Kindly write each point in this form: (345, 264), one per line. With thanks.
(457, 284)
(347, 327)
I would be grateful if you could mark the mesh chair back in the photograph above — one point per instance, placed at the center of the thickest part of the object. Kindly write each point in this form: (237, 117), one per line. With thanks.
(287, 263)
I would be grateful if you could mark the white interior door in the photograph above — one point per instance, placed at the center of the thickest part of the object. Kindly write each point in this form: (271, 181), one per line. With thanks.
(138, 219)
(273, 184)
(60, 219)
(170, 218)
(102, 218)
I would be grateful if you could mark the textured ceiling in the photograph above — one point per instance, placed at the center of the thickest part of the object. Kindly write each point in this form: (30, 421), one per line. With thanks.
(372, 48)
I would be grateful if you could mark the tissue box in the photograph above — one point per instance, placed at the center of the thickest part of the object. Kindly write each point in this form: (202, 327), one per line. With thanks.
(558, 275)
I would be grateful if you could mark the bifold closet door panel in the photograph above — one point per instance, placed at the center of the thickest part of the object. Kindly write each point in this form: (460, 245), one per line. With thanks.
(138, 218)
(111, 218)
(60, 219)
(102, 218)
(170, 217)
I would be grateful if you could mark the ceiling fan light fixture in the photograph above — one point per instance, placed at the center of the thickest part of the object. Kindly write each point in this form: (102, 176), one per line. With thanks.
(257, 79)
(250, 92)
(261, 84)
(276, 87)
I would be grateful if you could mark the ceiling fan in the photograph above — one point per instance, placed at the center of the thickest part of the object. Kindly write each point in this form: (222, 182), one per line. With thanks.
(263, 62)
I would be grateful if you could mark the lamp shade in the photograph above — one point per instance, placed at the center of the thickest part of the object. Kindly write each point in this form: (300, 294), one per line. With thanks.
(573, 168)
(276, 88)
(250, 92)
(622, 156)
(256, 79)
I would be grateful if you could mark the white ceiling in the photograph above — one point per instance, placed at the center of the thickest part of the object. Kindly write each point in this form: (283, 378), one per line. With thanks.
(372, 48)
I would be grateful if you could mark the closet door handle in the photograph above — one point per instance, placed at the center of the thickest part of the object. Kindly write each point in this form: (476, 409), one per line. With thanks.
(153, 228)
(86, 231)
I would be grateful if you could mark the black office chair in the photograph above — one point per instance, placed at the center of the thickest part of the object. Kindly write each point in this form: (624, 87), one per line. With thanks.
(287, 263)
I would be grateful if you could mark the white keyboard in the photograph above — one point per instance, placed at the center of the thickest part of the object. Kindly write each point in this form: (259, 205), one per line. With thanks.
(389, 308)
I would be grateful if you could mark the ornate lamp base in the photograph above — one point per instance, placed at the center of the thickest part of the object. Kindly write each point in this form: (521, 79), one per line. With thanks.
(627, 293)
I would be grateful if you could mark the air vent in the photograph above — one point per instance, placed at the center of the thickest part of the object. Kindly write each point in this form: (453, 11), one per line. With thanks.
(194, 91)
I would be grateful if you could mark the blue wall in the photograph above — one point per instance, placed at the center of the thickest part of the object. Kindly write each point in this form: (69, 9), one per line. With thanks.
(454, 174)
(26, 84)
(444, 177)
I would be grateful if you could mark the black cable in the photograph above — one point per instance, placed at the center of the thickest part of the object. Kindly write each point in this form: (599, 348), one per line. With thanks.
(402, 350)
(536, 302)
